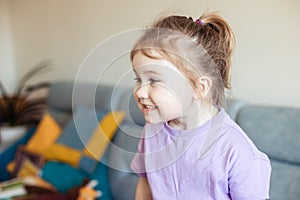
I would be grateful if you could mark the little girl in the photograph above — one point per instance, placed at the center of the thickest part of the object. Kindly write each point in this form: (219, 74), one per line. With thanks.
(190, 148)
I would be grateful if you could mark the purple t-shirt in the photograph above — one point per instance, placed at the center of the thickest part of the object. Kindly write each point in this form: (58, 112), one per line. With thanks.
(215, 161)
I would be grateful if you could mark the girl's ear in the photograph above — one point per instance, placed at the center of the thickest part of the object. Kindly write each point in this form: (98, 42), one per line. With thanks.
(203, 86)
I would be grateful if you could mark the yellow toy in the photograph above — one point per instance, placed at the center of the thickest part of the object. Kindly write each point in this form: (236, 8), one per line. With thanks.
(88, 192)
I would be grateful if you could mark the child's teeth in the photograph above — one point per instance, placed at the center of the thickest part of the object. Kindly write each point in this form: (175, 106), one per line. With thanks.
(151, 107)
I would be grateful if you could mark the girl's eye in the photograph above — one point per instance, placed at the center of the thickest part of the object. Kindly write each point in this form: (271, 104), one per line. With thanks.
(137, 80)
(153, 80)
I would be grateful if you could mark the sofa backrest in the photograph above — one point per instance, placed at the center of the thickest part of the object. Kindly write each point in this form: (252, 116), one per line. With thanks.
(276, 131)
(65, 95)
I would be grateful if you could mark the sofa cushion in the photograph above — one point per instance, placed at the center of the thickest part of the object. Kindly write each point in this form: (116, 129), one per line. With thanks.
(80, 127)
(120, 154)
(103, 134)
(275, 130)
(84, 140)
(62, 176)
(64, 154)
(285, 181)
(123, 147)
(46, 134)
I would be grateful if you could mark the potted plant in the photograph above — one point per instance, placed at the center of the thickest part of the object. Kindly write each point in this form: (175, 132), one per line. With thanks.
(21, 109)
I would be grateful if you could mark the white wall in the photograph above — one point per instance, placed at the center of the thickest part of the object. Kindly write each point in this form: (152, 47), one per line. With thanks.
(7, 67)
(265, 66)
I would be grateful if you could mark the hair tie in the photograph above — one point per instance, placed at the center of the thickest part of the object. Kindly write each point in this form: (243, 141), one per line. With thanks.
(198, 21)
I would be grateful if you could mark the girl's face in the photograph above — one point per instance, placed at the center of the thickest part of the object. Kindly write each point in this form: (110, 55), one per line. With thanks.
(162, 92)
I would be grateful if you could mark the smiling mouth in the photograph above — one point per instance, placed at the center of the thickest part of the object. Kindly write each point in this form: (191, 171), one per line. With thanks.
(149, 108)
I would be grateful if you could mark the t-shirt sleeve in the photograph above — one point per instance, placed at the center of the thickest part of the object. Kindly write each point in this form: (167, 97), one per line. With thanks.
(250, 180)
(138, 162)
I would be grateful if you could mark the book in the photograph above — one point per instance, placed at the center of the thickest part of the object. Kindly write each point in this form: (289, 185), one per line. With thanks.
(12, 188)
(26, 163)
(23, 185)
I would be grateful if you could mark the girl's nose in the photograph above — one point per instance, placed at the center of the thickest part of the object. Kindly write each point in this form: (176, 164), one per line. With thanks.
(142, 91)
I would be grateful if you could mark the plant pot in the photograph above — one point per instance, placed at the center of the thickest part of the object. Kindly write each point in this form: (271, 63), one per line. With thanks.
(10, 135)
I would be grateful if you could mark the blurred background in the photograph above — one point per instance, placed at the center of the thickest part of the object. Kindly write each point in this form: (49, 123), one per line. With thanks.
(266, 64)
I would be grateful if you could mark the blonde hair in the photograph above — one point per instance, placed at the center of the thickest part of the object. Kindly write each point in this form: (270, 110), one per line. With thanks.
(202, 47)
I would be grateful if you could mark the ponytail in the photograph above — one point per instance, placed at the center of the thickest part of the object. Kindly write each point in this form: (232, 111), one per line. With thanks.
(218, 39)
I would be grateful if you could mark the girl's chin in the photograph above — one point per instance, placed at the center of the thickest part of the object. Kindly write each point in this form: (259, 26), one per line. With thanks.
(152, 120)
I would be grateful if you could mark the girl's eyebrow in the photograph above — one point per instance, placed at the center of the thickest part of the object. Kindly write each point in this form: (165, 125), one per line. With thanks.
(152, 72)
(147, 72)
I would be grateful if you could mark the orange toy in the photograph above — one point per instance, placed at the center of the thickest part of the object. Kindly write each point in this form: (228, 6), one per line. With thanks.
(88, 192)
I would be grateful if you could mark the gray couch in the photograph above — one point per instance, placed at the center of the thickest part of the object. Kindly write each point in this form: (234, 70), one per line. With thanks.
(275, 130)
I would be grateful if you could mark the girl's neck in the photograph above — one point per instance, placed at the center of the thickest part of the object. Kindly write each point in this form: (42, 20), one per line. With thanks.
(201, 114)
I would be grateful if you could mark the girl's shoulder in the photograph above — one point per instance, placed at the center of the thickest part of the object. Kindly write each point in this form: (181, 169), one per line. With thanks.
(238, 141)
